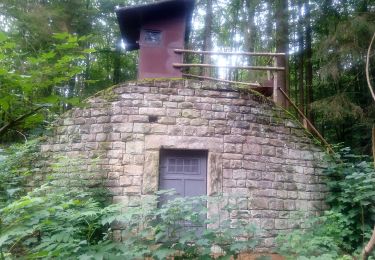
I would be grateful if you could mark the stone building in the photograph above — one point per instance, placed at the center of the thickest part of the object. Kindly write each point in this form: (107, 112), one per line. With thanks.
(200, 138)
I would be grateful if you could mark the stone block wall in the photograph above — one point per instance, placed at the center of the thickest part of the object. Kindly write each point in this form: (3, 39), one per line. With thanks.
(254, 149)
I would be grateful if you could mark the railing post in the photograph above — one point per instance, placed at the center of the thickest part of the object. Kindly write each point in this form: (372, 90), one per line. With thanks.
(275, 92)
(280, 81)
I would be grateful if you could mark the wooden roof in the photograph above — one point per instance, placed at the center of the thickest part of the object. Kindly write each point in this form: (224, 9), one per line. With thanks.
(132, 18)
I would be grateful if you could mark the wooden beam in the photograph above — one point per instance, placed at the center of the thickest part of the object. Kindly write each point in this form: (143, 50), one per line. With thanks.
(182, 65)
(223, 80)
(230, 53)
(308, 122)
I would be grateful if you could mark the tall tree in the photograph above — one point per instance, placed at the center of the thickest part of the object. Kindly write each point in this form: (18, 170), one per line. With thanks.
(207, 38)
(301, 50)
(282, 41)
(308, 55)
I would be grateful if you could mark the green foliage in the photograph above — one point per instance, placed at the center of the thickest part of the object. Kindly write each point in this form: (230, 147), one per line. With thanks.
(180, 228)
(337, 108)
(54, 221)
(351, 180)
(33, 80)
(348, 224)
(317, 238)
(16, 164)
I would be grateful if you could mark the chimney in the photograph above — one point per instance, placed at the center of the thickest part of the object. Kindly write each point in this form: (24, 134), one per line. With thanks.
(156, 30)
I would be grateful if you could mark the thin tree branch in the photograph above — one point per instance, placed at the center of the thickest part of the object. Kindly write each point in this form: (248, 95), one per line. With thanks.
(370, 245)
(4, 128)
(368, 70)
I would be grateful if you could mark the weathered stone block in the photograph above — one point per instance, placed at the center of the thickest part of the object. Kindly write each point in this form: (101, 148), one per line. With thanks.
(198, 122)
(132, 189)
(222, 130)
(203, 106)
(175, 130)
(152, 111)
(151, 172)
(186, 92)
(254, 175)
(122, 127)
(241, 124)
(281, 224)
(232, 156)
(236, 164)
(250, 148)
(158, 129)
(190, 130)
(259, 203)
(97, 128)
(268, 150)
(190, 113)
(115, 154)
(138, 119)
(227, 174)
(229, 183)
(141, 128)
(289, 205)
(101, 137)
(173, 112)
(135, 147)
(234, 139)
(133, 169)
(167, 120)
(170, 104)
(132, 96)
(276, 204)
(185, 105)
(176, 98)
(125, 181)
(239, 174)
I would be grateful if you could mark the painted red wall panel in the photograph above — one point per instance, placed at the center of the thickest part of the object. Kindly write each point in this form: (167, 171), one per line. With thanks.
(156, 60)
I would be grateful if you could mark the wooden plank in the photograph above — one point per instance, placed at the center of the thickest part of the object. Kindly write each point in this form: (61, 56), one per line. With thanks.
(182, 65)
(308, 122)
(223, 80)
(230, 53)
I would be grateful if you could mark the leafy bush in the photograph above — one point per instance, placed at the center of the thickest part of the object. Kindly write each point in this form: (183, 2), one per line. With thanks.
(322, 238)
(180, 228)
(351, 181)
(54, 221)
(16, 164)
(69, 224)
(348, 224)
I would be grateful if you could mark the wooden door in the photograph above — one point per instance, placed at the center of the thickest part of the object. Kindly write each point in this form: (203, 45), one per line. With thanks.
(185, 171)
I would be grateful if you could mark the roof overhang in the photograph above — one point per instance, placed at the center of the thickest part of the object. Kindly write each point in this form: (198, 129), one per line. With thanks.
(131, 19)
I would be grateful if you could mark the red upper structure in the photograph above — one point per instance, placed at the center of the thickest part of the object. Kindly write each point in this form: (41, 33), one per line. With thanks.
(156, 30)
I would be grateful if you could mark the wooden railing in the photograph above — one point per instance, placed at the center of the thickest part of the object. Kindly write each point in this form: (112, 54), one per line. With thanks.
(267, 85)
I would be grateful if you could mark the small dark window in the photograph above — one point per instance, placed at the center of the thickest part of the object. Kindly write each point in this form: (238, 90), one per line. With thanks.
(152, 37)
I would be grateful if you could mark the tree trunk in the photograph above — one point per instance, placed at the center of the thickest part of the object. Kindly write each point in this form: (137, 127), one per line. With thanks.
(309, 70)
(301, 59)
(117, 63)
(370, 245)
(282, 41)
(207, 38)
(249, 29)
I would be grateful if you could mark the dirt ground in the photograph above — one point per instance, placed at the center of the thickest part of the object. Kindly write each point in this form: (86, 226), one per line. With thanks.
(254, 256)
